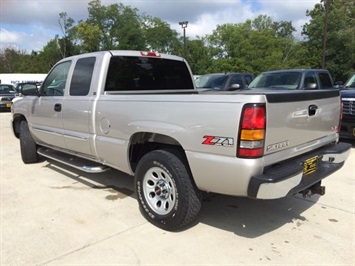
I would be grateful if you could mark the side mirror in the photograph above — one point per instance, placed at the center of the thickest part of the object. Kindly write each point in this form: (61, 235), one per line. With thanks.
(311, 86)
(30, 90)
(339, 84)
(234, 87)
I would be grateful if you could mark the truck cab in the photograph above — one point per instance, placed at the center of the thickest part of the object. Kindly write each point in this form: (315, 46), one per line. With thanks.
(294, 79)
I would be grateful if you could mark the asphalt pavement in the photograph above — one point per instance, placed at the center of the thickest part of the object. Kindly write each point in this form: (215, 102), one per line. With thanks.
(54, 215)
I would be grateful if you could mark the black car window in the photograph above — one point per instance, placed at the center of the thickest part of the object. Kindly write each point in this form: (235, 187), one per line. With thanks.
(248, 79)
(325, 80)
(237, 79)
(54, 84)
(81, 79)
(145, 73)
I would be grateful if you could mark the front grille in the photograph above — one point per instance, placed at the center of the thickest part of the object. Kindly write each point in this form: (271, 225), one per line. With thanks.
(348, 107)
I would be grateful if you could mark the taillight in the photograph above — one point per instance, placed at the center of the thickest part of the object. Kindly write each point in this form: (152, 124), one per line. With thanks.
(341, 110)
(340, 115)
(252, 131)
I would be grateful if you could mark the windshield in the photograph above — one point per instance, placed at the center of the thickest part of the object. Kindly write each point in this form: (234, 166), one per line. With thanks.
(216, 82)
(5, 89)
(350, 84)
(284, 80)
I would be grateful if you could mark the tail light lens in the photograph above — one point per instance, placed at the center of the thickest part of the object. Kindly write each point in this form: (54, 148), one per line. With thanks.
(252, 131)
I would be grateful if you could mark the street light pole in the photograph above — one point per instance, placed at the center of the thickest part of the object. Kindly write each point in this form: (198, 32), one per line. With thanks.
(183, 24)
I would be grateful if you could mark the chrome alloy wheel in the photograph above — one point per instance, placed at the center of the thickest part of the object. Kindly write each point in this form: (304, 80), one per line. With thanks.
(159, 190)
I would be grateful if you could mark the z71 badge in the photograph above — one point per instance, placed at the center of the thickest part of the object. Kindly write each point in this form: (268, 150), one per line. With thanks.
(218, 141)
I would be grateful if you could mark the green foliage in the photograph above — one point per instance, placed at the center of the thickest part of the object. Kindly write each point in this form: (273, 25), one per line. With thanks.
(158, 35)
(340, 42)
(253, 46)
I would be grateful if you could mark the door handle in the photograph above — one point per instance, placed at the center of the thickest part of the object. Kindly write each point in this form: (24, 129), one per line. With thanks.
(312, 109)
(58, 107)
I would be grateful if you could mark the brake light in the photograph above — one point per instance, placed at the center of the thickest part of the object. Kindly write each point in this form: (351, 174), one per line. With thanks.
(252, 131)
(152, 54)
(341, 110)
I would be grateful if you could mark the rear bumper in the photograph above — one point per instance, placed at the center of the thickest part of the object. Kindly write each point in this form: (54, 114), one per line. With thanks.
(287, 178)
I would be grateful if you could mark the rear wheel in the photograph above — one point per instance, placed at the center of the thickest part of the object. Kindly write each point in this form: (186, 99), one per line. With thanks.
(167, 196)
(27, 145)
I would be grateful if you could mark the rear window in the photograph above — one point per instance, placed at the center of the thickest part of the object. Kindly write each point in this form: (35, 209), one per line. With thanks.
(146, 73)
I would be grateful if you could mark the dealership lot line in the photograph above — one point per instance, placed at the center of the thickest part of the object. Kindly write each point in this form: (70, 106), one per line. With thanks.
(54, 215)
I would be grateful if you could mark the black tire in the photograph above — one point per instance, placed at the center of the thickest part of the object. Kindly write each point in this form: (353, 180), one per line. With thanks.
(27, 145)
(166, 194)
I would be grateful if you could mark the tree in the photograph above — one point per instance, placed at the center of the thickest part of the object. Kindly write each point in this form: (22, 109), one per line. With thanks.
(255, 46)
(340, 43)
(65, 44)
(119, 26)
(158, 35)
(198, 55)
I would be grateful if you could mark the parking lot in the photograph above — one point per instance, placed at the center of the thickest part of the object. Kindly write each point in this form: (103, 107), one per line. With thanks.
(54, 215)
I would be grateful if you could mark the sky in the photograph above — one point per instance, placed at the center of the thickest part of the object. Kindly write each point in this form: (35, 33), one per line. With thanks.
(28, 25)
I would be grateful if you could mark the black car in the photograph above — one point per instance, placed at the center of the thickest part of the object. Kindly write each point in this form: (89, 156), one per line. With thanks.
(347, 129)
(7, 93)
(294, 79)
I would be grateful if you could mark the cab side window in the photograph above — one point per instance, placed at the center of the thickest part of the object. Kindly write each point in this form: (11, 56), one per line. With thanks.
(325, 80)
(248, 79)
(54, 85)
(310, 78)
(81, 79)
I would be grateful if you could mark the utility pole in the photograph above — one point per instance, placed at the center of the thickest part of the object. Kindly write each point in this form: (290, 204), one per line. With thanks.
(183, 24)
(325, 32)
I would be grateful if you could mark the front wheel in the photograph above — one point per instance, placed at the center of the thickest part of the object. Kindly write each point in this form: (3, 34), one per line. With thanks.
(167, 196)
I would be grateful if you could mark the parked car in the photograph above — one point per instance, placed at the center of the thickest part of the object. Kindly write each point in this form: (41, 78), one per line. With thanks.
(347, 125)
(350, 83)
(224, 81)
(7, 93)
(294, 79)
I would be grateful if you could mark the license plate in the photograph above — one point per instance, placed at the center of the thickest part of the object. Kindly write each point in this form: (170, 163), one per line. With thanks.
(310, 165)
(8, 105)
(354, 131)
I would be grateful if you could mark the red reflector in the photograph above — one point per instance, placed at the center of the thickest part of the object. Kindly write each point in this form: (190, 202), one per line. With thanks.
(254, 117)
(254, 153)
(153, 54)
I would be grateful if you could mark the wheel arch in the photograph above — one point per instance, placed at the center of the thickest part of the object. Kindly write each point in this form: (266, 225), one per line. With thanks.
(143, 142)
(16, 121)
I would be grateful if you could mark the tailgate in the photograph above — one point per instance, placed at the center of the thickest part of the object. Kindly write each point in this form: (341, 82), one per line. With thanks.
(298, 121)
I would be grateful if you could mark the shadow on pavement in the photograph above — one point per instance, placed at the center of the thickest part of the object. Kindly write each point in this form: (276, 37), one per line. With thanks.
(242, 216)
(253, 218)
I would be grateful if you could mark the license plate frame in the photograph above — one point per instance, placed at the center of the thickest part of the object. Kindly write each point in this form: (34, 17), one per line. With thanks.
(310, 165)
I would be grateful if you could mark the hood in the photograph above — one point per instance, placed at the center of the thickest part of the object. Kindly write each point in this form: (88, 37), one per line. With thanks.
(347, 93)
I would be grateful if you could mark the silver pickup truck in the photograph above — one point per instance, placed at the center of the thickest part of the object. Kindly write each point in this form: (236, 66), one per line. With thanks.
(140, 113)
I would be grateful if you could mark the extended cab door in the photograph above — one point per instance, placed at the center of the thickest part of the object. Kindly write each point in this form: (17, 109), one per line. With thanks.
(46, 110)
(77, 107)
